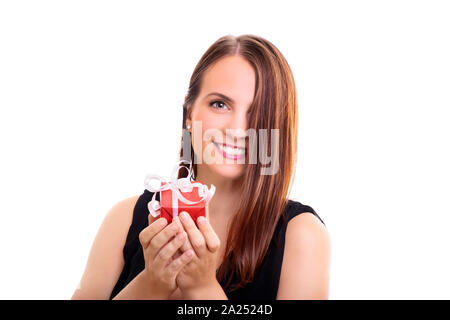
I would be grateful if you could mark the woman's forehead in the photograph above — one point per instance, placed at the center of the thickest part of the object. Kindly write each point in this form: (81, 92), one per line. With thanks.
(231, 76)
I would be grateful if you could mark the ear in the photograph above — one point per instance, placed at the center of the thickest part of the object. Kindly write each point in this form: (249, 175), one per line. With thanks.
(187, 116)
(188, 119)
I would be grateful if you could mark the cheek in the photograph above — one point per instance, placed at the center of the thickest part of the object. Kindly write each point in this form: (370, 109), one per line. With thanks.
(209, 120)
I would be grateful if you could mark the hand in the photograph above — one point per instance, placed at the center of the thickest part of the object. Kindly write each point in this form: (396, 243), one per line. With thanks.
(200, 272)
(160, 243)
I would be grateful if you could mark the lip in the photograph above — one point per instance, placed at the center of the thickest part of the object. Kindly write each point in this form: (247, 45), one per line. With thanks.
(227, 155)
(229, 145)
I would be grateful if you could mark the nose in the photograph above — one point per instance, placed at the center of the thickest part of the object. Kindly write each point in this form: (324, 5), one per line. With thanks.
(236, 128)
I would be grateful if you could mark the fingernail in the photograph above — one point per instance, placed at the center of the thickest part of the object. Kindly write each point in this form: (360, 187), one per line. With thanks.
(162, 222)
(181, 236)
(189, 253)
(201, 220)
(184, 215)
(175, 227)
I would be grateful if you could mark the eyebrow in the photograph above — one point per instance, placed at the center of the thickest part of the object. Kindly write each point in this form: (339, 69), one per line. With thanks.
(224, 97)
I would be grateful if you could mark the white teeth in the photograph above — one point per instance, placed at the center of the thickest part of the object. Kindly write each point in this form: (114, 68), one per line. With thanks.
(231, 151)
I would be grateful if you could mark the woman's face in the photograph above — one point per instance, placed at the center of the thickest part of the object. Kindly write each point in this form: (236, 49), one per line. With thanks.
(219, 116)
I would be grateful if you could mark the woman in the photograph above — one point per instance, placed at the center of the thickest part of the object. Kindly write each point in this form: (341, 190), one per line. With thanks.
(255, 243)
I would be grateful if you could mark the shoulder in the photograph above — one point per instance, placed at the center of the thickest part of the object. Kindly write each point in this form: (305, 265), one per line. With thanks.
(141, 214)
(131, 215)
(122, 209)
(306, 258)
(307, 229)
(302, 221)
(296, 208)
(119, 217)
(117, 220)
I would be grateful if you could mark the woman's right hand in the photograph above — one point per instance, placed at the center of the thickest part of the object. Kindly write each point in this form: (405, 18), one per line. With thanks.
(160, 243)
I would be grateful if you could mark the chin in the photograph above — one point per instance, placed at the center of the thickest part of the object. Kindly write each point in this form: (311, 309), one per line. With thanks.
(229, 171)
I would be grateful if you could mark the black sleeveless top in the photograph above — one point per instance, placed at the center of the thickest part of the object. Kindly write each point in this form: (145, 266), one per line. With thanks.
(266, 278)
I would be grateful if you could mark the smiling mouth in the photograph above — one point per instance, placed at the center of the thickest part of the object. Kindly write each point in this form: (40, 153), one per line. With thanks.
(230, 152)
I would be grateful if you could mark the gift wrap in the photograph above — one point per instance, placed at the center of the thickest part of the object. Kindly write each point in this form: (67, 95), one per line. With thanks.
(178, 195)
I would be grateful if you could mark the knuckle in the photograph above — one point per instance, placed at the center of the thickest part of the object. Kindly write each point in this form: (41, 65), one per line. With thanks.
(175, 264)
(215, 246)
(142, 237)
(182, 239)
(153, 244)
(164, 255)
(154, 225)
(186, 257)
(198, 244)
(169, 231)
(188, 245)
(170, 248)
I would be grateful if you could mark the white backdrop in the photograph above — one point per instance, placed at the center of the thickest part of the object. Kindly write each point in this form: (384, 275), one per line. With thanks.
(87, 87)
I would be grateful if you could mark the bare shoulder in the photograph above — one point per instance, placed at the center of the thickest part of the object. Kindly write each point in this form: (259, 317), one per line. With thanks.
(306, 260)
(122, 210)
(118, 219)
(306, 226)
(105, 261)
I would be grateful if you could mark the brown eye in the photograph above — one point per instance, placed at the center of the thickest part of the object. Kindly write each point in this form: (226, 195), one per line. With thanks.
(218, 105)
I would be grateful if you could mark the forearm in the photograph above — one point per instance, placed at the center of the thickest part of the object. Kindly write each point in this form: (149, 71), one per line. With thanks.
(139, 289)
(212, 292)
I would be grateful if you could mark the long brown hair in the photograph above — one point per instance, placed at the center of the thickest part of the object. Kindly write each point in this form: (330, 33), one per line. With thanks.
(264, 197)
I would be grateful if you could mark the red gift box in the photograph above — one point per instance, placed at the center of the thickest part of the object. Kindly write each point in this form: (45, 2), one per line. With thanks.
(194, 210)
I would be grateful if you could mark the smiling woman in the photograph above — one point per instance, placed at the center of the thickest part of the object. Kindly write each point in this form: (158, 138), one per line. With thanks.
(251, 87)
(255, 242)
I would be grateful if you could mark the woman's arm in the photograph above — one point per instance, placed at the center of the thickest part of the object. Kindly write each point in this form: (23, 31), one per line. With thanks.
(139, 289)
(105, 261)
(213, 292)
(305, 271)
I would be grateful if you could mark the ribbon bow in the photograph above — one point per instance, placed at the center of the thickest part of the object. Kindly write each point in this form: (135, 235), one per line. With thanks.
(176, 185)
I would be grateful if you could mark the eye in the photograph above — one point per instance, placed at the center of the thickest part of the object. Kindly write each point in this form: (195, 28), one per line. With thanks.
(220, 105)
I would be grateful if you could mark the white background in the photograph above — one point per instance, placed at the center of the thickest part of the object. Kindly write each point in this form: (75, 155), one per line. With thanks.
(88, 88)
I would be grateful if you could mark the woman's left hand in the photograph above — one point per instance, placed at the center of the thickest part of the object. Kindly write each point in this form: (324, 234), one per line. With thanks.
(200, 272)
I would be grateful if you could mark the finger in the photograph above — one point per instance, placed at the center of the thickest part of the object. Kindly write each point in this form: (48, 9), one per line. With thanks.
(177, 264)
(149, 232)
(211, 238)
(195, 236)
(165, 254)
(178, 253)
(151, 218)
(176, 219)
(207, 210)
(161, 239)
(187, 244)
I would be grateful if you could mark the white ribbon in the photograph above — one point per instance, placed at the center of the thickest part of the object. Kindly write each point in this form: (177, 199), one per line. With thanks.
(176, 185)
